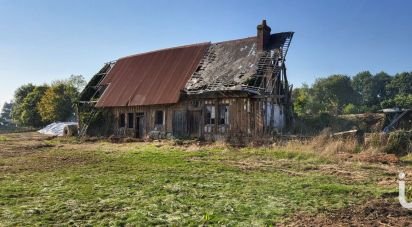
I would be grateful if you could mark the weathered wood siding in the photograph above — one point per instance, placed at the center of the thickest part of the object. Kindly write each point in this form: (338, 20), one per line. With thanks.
(246, 118)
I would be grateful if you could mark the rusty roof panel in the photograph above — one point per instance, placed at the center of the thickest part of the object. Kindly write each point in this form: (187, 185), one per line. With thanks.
(151, 78)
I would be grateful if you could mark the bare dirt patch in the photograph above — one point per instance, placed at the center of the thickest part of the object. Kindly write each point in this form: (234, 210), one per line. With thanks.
(378, 158)
(37, 152)
(18, 144)
(382, 212)
(46, 162)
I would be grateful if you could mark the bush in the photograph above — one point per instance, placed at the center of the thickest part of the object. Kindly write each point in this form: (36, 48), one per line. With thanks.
(350, 109)
(399, 143)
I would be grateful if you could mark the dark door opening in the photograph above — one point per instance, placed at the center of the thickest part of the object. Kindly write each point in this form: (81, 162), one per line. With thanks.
(139, 125)
(179, 123)
(194, 123)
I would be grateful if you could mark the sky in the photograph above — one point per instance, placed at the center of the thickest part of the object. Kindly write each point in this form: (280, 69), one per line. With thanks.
(46, 40)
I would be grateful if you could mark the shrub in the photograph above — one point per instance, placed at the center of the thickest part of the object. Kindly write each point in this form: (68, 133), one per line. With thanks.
(399, 143)
(350, 109)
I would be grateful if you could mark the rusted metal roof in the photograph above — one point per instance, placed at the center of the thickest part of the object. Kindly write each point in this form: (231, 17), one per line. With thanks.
(151, 78)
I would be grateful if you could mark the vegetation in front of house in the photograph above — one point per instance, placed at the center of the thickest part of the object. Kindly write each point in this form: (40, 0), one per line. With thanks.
(69, 182)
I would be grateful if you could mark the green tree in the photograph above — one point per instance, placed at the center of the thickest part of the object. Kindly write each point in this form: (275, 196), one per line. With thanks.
(362, 83)
(19, 95)
(301, 99)
(400, 100)
(398, 91)
(381, 80)
(29, 109)
(403, 100)
(371, 89)
(57, 103)
(6, 110)
(333, 92)
(5, 114)
(77, 81)
(401, 84)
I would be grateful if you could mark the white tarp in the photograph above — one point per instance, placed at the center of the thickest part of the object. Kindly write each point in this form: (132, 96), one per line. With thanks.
(55, 129)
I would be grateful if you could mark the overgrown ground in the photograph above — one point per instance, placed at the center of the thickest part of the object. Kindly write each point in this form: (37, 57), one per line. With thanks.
(68, 182)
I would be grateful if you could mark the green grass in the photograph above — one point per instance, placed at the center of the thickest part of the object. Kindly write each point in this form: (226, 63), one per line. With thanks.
(3, 139)
(165, 185)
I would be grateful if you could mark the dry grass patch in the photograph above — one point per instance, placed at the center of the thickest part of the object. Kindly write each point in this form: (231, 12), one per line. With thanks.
(377, 212)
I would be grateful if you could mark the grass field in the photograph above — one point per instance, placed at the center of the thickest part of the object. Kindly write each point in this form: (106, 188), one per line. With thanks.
(47, 181)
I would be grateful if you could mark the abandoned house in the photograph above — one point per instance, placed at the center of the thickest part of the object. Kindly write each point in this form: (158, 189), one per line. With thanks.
(213, 91)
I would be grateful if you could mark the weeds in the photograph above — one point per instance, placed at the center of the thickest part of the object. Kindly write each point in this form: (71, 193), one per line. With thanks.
(399, 143)
(3, 139)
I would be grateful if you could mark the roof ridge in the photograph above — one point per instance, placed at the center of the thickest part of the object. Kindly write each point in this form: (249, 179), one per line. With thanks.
(196, 44)
(164, 49)
(234, 40)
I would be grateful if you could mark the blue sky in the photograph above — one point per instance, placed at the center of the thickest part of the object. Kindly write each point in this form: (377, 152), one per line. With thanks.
(46, 40)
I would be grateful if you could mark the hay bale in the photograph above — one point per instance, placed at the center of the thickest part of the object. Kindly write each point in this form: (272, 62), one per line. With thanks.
(70, 130)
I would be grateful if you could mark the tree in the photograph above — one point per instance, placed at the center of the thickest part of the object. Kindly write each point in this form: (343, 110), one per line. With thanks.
(398, 91)
(29, 115)
(400, 84)
(333, 92)
(77, 81)
(400, 100)
(301, 100)
(6, 110)
(363, 93)
(19, 96)
(5, 114)
(381, 80)
(363, 85)
(371, 89)
(57, 103)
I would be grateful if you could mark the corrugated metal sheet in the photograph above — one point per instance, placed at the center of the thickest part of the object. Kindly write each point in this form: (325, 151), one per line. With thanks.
(151, 78)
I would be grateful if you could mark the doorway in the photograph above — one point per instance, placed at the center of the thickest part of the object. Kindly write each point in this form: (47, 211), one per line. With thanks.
(139, 125)
(179, 123)
(194, 123)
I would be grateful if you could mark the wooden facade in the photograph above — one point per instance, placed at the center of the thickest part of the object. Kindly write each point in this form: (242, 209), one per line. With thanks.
(214, 119)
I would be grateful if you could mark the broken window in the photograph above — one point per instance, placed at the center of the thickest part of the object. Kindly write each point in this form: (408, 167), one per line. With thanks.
(210, 115)
(130, 122)
(223, 114)
(122, 120)
(159, 117)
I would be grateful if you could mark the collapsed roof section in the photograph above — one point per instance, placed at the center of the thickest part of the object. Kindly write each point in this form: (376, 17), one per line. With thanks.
(236, 64)
(225, 66)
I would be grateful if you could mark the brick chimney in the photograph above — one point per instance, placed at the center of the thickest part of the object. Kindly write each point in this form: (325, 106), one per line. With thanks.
(263, 36)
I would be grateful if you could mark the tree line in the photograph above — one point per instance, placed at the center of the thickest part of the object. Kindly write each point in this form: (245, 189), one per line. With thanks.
(38, 105)
(364, 92)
